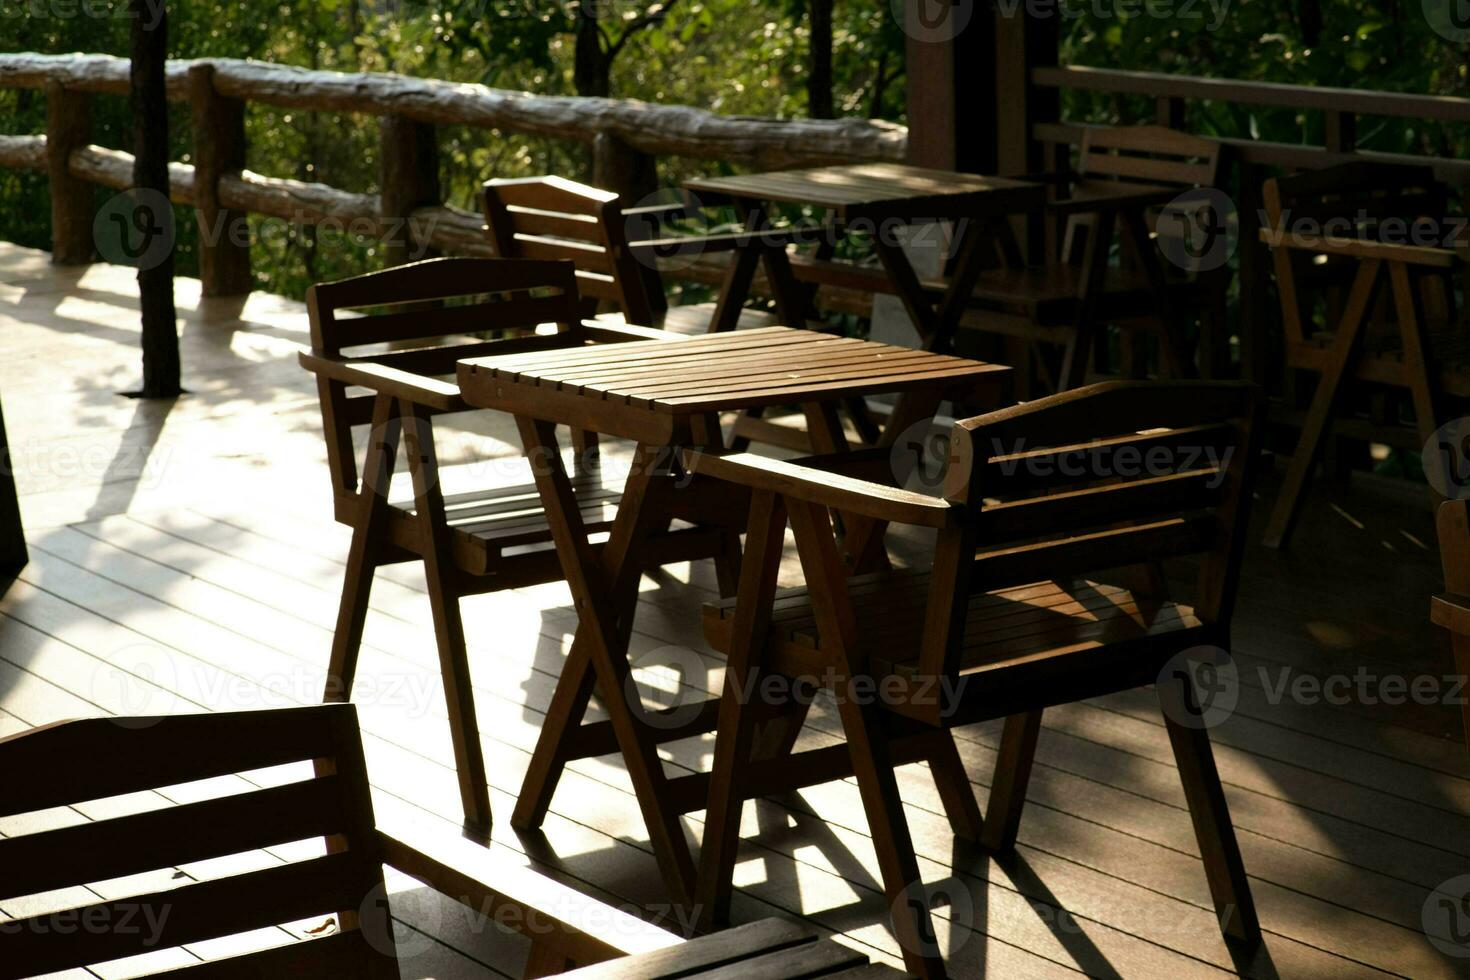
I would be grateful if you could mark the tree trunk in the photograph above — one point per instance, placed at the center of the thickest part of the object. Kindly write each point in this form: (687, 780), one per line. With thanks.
(819, 71)
(592, 65)
(152, 215)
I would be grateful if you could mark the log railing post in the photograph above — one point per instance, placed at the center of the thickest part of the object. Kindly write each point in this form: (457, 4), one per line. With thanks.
(68, 127)
(1256, 310)
(13, 554)
(408, 178)
(219, 151)
(619, 168)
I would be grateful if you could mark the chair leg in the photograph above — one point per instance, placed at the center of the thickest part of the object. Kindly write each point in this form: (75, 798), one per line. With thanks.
(464, 728)
(1224, 868)
(1324, 400)
(956, 793)
(440, 573)
(1012, 774)
(873, 765)
(357, 589)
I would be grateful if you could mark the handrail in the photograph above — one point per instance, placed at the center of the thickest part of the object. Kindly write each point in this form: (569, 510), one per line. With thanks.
(646, 127)
(1367, 102)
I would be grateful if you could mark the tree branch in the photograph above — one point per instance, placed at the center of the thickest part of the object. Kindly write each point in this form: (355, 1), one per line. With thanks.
(650, 19)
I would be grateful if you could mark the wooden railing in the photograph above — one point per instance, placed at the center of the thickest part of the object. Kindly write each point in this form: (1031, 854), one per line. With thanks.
(625, 136)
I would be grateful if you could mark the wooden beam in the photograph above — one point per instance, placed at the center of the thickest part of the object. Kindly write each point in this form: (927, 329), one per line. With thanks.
(951, 92)
(408, 162)
(219, 151)
(68, 126)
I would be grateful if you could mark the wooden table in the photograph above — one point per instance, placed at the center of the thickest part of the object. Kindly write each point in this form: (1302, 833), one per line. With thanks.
(771, 949)
(869, 196)
(663, 396)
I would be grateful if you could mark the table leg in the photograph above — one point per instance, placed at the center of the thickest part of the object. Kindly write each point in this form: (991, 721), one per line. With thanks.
(1084, 325)
(605, 594)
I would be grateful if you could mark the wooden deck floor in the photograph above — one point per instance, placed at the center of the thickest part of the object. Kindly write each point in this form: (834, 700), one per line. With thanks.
(184, 558)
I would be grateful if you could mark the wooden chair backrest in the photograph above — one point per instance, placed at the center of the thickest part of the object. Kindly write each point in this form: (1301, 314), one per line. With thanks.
(1338, 201)
(555, 218)
(79, 761)
(1149, 154)
(1102, 477)
(431, 311)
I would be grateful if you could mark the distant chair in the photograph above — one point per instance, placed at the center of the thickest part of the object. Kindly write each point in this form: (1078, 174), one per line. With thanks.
(1451, 608)
(1362, 312)
(1044, 590)
(1126, 177)
(555, 218)
(488, 538)
(13, 554)
(75, 762)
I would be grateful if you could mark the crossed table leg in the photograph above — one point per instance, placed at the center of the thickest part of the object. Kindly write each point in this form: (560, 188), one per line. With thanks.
(605, 591)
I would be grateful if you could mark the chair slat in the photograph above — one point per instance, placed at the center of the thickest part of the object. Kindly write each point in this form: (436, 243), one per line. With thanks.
(1100, 506)
(581, 227)
(521, 312)
(178, 749)
(170, 837)
(1092, 552)
(588, 258)
(1031, 470)
(190, 914)
(441, 278)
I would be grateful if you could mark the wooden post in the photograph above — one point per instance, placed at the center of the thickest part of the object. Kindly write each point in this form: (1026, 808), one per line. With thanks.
(619, 168)
(1341, 132)
(950, 63)
(68, 127)
(13, 555)
(1169, 111)
(408, 162)
(219, 151)
(149, 95)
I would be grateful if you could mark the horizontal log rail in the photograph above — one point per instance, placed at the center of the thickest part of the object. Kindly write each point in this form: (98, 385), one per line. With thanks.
(646, 127)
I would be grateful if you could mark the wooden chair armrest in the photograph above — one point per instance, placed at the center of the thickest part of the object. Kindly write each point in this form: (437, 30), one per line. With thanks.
(613, 331)
(1360, 248)
(1450, 610)
(565, 920)
(431, 392)
(843, 493)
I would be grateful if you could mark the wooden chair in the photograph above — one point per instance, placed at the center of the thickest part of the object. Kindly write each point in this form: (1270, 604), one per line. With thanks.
(1125, 175)
(484, 540)
(555, 218)
(1358, 311)
(1035, 598)
(1451, 608)
(13, 554)
(75, 762)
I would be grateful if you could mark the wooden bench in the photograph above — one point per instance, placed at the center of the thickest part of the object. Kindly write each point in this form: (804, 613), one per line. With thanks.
(77, 762)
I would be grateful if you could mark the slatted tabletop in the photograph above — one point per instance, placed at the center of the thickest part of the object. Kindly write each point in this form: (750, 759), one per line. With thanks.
(771, 949)
(882, 190)
(633, 389)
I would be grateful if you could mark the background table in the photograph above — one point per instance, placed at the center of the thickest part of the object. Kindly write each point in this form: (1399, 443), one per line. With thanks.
(885, 195)
(663, 396)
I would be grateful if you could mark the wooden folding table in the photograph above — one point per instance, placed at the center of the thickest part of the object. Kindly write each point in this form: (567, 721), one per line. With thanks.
(877, 198)
(665, 396)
